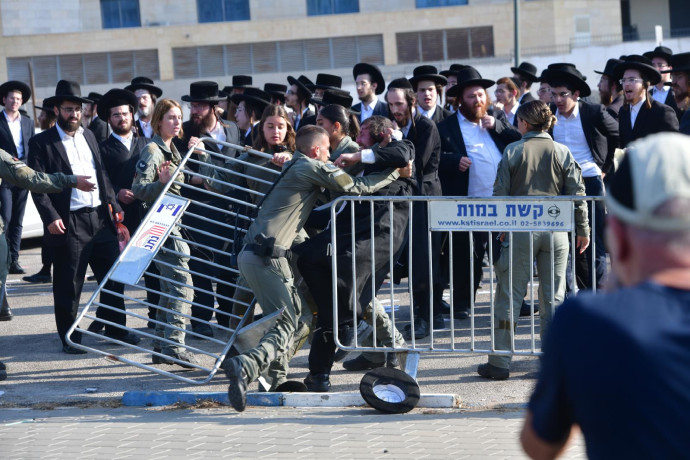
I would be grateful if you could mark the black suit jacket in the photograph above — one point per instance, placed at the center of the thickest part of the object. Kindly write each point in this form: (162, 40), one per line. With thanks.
(120, 165)
(99, 128)
(527, 97)
(658, 118)
(440, 114)
(47, 154)
(309, 118)
(685, 123)
(601, 131)
(453, 181)
(140, 130)
(7, 141)
(381, 108)
(427, 155)
(670, 101)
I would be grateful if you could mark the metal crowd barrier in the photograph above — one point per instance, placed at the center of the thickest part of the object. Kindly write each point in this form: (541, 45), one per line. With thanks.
(231, 213)
(460, 214)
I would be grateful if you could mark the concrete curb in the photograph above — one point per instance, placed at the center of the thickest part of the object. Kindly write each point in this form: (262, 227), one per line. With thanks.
(167, 398)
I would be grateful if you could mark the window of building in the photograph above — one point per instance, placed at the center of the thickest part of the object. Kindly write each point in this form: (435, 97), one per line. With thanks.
(87, 69)
(271, 57)
(321, 7)
(223, 10)
(120, 13)
(437, 3)
(445, 45)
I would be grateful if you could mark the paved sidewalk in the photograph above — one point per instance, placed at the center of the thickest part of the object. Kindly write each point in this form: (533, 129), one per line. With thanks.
(262, 433)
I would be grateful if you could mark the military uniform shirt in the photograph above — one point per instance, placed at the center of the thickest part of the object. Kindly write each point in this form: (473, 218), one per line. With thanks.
(146, 186)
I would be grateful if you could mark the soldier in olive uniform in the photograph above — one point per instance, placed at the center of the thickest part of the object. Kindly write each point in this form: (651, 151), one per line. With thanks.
(18, 174)
(264, 260)
(153, 171)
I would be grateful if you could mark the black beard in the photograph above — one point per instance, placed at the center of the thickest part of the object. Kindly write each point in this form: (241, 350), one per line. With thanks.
(67, 125)
(199, 128)
(120, 131)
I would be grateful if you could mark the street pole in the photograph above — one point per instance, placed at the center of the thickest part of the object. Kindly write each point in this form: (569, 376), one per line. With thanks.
(516, 8)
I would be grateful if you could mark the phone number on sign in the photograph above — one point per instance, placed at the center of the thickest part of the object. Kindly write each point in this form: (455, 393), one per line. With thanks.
(542, 223)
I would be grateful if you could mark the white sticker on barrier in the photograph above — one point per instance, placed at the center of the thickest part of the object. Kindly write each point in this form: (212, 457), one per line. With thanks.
(494, 215)
(152, 232)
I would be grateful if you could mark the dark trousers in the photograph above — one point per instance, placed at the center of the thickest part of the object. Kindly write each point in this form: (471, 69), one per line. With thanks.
(463, 291)
(422, 278)
(12, 206)
(90, 241)
(594, 186)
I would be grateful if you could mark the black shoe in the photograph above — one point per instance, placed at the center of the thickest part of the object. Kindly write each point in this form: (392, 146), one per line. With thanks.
(6, 313)
(421, 330)
(525, 309)
(237, 390)
(202, 329)
(3, 371)
(38, 278)
(151, 325)
(129, 338)
(95, 326)
(363, 331)
(360, 363)
(439, 322)
(318, 383)
(444, 307)
(461, 313)
(16, 269)
(489, 371)
(70, 350)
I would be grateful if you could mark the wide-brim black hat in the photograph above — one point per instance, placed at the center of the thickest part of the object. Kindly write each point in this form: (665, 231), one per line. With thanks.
(299, 82)
(453, 70)
(66, 90)
(469, 76)
(660, 51)
(566, 73)
(253, 95)
(609, 70)
(144, 83)
(240, 81)
(400, 83)
(95, 97)
(427, 72)
(374, 73)
(641, 64)
(328, 81)
(679, 63)
(115, 98)
(204, 91)
(275, 90)
(335, 96)
(14, 85)
(527, 70)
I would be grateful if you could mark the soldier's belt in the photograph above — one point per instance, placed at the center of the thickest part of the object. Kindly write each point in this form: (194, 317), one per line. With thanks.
(277, 252)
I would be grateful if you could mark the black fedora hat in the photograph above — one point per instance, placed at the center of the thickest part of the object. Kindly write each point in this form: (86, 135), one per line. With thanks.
(660, 51)
(14, 85)
(374, 73)
(66, 90)
(115, 98)
(144, 83)
(301, 84)
(566, 73)
(239, 81)
(253, 95)
(95, 97)
(335, 96)
(328, 81)
(400, 83)
(453, 70)
(427, 72)
(679, 63)
(276, 90)
(526, 70)
(609, 69)
(469, 76)
(640, 63)
(204, 91)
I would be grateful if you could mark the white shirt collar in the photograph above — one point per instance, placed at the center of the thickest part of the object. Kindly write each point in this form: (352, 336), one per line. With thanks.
(574, 114)
(125, 140)
(7, 117)
(63, 134)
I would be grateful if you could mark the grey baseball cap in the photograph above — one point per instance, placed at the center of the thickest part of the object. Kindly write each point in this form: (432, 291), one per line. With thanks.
(655, 169)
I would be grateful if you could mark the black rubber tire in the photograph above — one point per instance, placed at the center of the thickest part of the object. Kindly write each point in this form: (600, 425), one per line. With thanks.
(388, 376)
(291, 386)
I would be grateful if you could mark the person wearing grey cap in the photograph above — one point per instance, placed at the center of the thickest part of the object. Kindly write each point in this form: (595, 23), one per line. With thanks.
(625, 380)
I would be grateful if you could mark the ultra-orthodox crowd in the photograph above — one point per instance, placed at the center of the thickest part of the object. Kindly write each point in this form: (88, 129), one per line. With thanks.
(100, 161)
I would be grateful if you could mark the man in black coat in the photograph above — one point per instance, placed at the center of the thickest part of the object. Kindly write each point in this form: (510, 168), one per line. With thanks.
(147, 93)
(680, 82)
(15, 132)
(370, 83)
(591, 134)
(472, 144)
(205, 121)
(428, 84)
(662, 92)
(79, 224)
(526, 74)
(422, 132)
(641, 115)
(120, 153)
(98, 126)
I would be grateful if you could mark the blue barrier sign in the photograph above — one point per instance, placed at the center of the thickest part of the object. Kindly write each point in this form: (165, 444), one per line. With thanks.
(501, 215)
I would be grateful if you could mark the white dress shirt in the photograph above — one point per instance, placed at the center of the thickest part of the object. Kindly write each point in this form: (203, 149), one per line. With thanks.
(16, 130)
(635, 111)
(485, 156)
(147, 128)
(660, 95)
(511, 114)
(127, 141)
(82, 163)
(569, 132)
(427, 113)
(367, 110)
